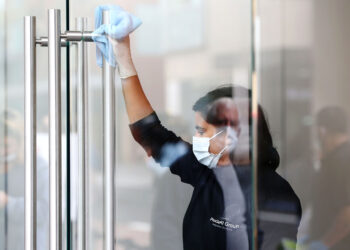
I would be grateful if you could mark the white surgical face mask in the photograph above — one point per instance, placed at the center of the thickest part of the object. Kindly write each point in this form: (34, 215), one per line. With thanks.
(201, 149)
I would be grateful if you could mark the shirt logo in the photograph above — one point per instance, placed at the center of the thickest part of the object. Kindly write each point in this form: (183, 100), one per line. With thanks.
(223, 224)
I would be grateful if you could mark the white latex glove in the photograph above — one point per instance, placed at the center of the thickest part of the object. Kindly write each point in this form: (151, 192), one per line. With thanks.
(122, 52)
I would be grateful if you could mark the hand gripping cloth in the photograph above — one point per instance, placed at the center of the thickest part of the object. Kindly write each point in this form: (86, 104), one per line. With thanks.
(121, 25)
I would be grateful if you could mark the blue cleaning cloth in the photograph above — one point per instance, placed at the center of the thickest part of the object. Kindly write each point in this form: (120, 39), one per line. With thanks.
(121, 25)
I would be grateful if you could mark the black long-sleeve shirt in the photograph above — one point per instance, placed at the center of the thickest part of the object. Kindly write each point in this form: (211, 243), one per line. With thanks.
(219, 214)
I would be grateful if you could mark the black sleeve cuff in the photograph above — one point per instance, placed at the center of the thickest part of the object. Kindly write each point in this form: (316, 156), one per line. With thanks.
(140, 127)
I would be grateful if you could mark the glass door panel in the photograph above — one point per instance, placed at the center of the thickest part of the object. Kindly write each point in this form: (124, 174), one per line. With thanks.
(303, 80)
(277, 180)
(12, 171)
(182, 50)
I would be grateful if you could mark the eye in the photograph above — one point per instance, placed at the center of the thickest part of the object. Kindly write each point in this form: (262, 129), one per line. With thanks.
(200, 131)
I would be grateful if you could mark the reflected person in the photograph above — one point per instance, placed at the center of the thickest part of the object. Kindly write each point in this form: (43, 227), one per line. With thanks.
(330, 202)
(12, 186)
(279, 209)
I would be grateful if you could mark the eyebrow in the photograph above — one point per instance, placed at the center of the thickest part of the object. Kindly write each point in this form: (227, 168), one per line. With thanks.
(227, 122)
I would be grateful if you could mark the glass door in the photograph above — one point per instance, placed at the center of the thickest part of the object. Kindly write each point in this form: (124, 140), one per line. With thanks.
(303, 79)
(123, 194)
(247, 147)
(12, 135)
(183, 50)
(249, 80)
(61, 165)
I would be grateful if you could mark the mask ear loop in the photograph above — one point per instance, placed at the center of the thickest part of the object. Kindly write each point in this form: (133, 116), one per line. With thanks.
(216, 134)
(223, 150)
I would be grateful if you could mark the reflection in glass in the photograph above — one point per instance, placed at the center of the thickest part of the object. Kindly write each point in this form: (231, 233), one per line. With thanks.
(330, 220)
(180, 53)
(12, 186)
(304, 88)
(219, 213)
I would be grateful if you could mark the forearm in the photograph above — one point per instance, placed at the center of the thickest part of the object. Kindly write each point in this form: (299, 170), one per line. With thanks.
(136, 102)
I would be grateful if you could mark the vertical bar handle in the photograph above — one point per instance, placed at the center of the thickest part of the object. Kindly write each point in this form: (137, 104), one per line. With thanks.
(30, 131)
(109, 116)
(55, 151)
(82, 86)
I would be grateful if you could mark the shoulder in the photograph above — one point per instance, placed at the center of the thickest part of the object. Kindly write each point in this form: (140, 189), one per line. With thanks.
(278, 193)
(141, 126)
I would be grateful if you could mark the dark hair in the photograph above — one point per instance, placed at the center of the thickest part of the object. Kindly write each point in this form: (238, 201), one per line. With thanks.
(333, 118)
(203, 104)
(268, 155)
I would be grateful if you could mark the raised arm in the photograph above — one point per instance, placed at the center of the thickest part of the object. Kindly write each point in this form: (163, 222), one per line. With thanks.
(163, 145)
(137, 104)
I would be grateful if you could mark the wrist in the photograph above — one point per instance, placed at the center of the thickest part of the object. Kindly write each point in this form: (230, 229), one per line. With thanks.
(123, 56)
(126, 69)
(125, 59)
